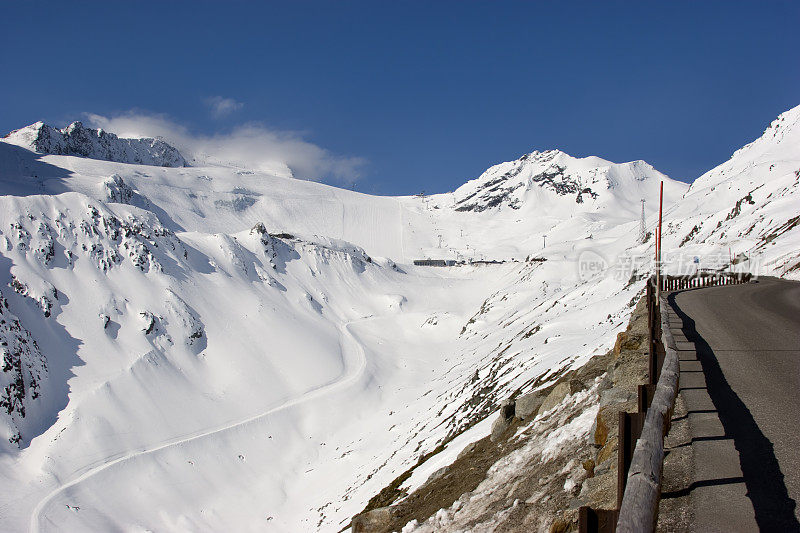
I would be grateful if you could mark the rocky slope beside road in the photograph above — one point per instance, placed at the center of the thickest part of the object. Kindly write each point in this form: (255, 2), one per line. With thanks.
(550, 452)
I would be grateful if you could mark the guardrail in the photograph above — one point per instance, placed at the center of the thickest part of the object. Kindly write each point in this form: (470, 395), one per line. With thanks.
(640, 452)
(703, 279)
(639, 507)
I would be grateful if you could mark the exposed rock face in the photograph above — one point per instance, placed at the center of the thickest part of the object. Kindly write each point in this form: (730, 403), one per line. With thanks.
(560, 392)
(629, 340)
(543, 459)
(498, 191)
(109, 243)
(619, 393)
(528, 405)
(81, 141)
(23, 367)
(117, 190)
(547, 176)
(375, 520)
(503, 422)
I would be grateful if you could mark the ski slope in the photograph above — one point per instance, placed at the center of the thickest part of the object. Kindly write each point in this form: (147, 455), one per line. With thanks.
(208, 348)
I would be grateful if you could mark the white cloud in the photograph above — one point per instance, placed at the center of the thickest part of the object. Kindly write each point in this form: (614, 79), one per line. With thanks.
(222, 107)
(252, 146)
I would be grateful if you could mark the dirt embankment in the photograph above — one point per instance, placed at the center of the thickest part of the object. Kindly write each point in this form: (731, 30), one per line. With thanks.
(550, 451)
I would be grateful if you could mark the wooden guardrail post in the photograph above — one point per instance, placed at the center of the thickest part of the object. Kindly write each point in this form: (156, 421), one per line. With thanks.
(640, 465)
(630, 428)
(645, 397)
(639, 506)
(651, 341)
(597, 520)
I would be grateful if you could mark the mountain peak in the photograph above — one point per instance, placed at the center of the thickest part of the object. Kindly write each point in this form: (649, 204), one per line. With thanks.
(785, 128)
(554, 175)
(78, 140)
(769, 150)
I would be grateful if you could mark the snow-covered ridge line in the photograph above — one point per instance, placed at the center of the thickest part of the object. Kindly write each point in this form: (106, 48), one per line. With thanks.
(557, 175)
(167, 303)
(745, 209)
(78, 140)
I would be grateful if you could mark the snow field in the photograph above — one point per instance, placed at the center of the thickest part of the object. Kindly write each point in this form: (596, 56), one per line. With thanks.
(203, 374)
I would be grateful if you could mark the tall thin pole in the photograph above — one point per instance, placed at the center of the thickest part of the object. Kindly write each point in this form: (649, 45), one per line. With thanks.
(642, 226)
(658, 244)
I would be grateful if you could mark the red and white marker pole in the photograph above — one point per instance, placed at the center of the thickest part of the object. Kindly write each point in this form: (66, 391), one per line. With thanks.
(658, 245)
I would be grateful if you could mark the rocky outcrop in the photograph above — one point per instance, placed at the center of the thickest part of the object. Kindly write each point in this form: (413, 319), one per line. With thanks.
(78, 140)
(618, 394)
(375, 520)
(23, 368)
(503, 421)
(499, 190)
(528, 405)
(117, 191)
(550, 451)
(559, 392)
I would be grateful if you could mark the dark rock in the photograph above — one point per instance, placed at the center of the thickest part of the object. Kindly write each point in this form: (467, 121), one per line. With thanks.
(78, 140)
(372, 521)
(559, 392)
(616, 395)
(503, 421)
(528, 405)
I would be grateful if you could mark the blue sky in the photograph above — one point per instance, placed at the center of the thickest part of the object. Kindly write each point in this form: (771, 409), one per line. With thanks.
(415, 95)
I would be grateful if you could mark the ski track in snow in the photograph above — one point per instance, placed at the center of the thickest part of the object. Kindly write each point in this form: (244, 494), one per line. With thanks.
(353, 370)
(744, 209)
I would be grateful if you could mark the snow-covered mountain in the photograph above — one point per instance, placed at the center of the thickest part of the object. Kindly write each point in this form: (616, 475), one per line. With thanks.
(225, 199)
(540, 178)
(210, 348)
(78, 140)
(746, 209)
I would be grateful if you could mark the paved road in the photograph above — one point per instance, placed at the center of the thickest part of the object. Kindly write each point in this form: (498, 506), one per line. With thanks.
(740, 379)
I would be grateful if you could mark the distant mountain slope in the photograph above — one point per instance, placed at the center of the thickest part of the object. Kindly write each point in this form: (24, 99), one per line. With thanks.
(503, 214)
(209, 348)
(747, 209)
(579, 180)
(78, 140)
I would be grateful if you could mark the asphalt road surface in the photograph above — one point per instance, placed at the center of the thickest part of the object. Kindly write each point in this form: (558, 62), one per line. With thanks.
(743, 397)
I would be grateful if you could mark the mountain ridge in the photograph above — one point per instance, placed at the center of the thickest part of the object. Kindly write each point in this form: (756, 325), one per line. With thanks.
(583, 179)
(227, 347)
(78, 140)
